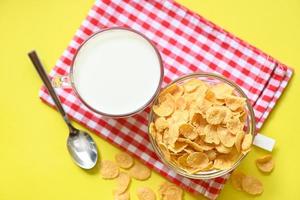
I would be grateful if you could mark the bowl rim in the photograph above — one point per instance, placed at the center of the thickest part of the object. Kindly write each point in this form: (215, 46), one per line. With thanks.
(213, 173)
(121, 115)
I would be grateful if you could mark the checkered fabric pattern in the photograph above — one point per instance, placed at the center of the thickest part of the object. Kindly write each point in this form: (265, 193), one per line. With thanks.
(187, 43)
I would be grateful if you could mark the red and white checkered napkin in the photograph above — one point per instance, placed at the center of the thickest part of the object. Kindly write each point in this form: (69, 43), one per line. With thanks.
(187, 43)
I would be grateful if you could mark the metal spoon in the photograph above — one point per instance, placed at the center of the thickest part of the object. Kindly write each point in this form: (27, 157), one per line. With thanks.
(81, 146)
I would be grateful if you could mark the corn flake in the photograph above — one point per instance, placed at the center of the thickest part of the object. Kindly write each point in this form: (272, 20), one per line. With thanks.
(192, 144)
(197, 160)
(173, 90)
(109, 169)
(164, 149)
(198, 120)
(234, 125)
(161, 124)
(265, 163)
(124, 160)
(192, 84)
(221, 90)
(238, 140)
(180, 103)
(226, 138)
(222, 149)
(187, 131)
(123, 196)
(178, 147)
(216, 114)
(211, 135)
(139, 172)
(236, 180)
(247, 141)
(203, 145)
(123, 181)
(169, 191)
(152, 130)
(164, 109)
(211, 154)
(252, 185)
(234, 102)
(182, 161)
(145, 193)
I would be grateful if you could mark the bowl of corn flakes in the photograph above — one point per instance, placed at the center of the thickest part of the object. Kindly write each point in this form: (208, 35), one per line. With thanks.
(201, 125)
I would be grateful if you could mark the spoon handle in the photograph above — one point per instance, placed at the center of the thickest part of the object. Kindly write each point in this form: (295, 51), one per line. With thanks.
(41, 71)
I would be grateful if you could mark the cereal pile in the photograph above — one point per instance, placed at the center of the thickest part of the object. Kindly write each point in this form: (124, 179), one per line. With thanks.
(250, 184)
(112, 170)
(200, 127)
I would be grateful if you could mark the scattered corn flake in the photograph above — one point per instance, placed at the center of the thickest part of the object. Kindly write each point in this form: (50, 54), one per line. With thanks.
(145, 193)
(124, 160)
(123, 196)
(265, 163)
(161, 124)
(221, 90)
(236, 180)
(252, 185)
(234, 102)
(247, 141)
(123, 181)
(226, 138)
(197, 160)
(109, 169)
(187, 131)
(139, 172)
(169, 191)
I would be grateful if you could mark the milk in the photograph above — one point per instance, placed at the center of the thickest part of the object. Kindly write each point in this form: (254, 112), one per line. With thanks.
(116, 72)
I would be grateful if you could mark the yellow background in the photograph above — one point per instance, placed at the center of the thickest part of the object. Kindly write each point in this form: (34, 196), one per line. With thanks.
(34, 162)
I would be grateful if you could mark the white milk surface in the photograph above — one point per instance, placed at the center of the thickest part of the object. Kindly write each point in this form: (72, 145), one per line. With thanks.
(116, 72)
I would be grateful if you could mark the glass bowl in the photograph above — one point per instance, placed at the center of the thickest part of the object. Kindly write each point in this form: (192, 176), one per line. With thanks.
(209, 78)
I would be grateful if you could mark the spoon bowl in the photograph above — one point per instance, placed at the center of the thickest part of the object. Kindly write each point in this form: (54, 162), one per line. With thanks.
(82, 149)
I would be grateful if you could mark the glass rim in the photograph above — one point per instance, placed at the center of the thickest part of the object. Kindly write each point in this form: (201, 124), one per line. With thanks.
(73, 85)
(213, 173)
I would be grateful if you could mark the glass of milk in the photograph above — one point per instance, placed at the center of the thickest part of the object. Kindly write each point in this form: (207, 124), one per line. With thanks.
(116, 72)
